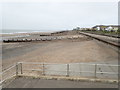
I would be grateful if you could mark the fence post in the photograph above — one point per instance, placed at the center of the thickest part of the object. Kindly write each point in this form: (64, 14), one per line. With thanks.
(43, 69)
(95, 70)
(21, 68)
(67, 70)
(80, 67)
(16, 69)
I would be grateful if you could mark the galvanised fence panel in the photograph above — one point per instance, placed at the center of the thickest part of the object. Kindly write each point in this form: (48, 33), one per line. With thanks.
(86, 70)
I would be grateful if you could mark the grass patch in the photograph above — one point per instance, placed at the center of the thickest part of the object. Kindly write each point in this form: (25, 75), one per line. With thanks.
(103, 32)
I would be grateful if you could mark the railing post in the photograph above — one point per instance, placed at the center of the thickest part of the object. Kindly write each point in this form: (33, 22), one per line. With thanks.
(43, 69)
(16, 69)
(67, 70)
(21, 68)
(95, 70)
(80, 67)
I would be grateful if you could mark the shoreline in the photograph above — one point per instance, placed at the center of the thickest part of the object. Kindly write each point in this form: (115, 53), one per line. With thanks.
(20, 35)
(29, 32)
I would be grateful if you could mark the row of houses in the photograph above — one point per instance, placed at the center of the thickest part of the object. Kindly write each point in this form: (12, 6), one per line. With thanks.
(106, 27)
(114, 28)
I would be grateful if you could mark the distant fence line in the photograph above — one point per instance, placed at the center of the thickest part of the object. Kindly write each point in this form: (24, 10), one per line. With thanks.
(71, 69)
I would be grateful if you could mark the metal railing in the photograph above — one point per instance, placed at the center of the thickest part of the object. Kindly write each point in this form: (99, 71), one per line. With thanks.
(8, 73)
(54, 69)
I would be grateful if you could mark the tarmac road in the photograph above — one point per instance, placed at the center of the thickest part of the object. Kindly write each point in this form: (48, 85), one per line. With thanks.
(42, 83)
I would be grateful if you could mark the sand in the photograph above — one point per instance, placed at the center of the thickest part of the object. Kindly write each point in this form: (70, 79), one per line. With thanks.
(57, 52)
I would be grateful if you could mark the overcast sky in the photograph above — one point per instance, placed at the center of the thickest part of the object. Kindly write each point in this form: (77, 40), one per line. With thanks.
(58, 16)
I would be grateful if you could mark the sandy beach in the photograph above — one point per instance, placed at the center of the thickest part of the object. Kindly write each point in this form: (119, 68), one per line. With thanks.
(59, 51)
